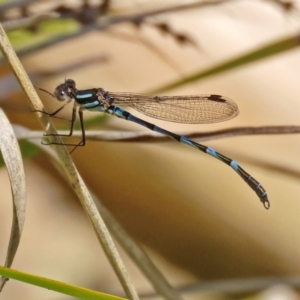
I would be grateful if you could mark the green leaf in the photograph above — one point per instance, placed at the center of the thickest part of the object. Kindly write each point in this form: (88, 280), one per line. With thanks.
(63, 288)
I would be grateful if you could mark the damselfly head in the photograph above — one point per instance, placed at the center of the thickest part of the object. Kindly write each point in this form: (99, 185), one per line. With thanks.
(65, 90)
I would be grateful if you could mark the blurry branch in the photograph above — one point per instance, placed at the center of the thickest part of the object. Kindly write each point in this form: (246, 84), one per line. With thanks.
(260, 53)
(269, 50)
(92, 23)
(88, 13)
(15, 4)
(236, 286)
(28, 22)
(285, 5)
(32, 148)
(133, 136)
(159, 52)
(180, 38)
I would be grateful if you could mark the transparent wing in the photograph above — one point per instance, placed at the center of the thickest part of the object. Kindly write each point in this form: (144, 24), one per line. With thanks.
(194, 109)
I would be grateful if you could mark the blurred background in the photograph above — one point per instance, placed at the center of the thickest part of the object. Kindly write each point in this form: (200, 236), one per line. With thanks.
(194, 216)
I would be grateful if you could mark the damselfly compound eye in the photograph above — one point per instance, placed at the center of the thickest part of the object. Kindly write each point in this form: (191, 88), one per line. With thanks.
(60, 94)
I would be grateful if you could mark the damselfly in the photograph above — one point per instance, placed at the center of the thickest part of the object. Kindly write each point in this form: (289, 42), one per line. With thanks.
(182, 109)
